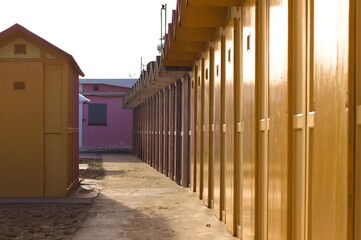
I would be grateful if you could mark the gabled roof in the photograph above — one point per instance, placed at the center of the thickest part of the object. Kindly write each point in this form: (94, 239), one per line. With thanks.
(17, 28)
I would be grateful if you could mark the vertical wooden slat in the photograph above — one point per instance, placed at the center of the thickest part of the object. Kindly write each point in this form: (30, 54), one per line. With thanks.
(279, 165)
(190, 129)
(156, 131)
(185, 131)
(263, 114)
(357, 204)
(161, 129)
(246, 122)
(143, 131)
(171, 133)
(154, 128)
(211, 126)
(174, 132)
(137, 137)
(178, 131)
(194, 143)
(217, 133)
(147, 130)
(299, 75)
(199, 126)
(151, 130)
(205, 127)
(223, 130)
(166, 129)
(329, 168)
(229, 126)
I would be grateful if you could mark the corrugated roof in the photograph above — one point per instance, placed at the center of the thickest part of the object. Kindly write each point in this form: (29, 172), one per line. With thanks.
(121, 82)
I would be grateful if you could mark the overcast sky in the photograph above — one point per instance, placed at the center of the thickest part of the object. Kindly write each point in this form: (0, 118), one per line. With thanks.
(107, 38)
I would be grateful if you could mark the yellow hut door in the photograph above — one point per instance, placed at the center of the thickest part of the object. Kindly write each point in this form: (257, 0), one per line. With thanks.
(21, 129)
(357, 226)
(329, 168)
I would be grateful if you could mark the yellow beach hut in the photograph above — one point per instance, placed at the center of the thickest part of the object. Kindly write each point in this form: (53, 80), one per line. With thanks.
(38, 117)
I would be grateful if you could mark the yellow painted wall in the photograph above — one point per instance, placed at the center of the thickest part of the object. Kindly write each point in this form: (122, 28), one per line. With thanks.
(328, 154)
(279, 142)
(37, 122)
(357, 49)
(294, 85)
(32, 51)
(21, 127)
(199, 127)
(246, 128)
(194, 145)
(161, 135)
(229, 126)
(54, 126)
(166, 129)
(285, 141)
(262, 66)
(218, 166)
(298, 75)
(207, 173)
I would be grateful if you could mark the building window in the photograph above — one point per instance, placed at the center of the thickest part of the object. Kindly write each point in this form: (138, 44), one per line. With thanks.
(97, 114)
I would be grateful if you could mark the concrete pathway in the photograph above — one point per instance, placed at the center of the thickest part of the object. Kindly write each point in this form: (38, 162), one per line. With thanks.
(137, 202)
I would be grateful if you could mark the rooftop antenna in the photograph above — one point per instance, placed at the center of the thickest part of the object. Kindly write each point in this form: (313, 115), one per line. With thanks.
(164, 8)
(141, 65)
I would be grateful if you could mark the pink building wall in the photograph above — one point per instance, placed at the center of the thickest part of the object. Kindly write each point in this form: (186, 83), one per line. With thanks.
(117, 133)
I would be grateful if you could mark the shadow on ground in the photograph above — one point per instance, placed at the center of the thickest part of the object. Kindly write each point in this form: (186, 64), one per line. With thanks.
(54, 221)
(109, 219)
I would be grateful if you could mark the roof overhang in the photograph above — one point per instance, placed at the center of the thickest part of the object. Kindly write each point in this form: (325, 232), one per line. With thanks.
(195, 23)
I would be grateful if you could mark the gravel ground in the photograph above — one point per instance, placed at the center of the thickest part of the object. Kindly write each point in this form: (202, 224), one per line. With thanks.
(95, 169)
(48, 221)
(41, 221)
(134, 202)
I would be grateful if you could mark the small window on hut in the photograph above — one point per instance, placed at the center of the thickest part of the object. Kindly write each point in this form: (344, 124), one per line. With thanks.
(19, 49)
(19, 85)
(97, 114)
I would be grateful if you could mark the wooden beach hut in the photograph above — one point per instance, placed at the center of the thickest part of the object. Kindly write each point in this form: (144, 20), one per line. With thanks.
(38, 117)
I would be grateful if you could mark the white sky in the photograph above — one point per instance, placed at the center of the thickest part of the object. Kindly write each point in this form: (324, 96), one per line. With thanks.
(107, 38)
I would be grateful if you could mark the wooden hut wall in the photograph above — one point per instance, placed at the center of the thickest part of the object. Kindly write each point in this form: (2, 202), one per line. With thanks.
(205, 128)
(246, 132)
(171, 148)
(154, 162)
(218, 158)
(45, 88)
(178, 132)
(166, 130)
(228, 126)
(357, 85)
(185, 131)
(161, 131)
(275, 121)
(328, 88)
(199, 136)
(278, 154)
(162, 128)
(193, 133)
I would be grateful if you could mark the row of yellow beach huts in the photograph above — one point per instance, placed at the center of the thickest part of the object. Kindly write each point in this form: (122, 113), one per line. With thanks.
(256, 105)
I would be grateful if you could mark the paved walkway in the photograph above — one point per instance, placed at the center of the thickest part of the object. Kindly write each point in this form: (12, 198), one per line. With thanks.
(137, 202)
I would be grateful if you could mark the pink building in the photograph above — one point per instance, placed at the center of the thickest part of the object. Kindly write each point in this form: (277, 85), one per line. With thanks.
(104, 124)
